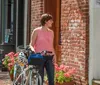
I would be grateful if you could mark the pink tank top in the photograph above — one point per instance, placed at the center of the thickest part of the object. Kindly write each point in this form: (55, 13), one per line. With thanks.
(44, 40)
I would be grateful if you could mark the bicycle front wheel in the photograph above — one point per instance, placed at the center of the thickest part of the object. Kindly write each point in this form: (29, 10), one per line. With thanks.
(17, 71)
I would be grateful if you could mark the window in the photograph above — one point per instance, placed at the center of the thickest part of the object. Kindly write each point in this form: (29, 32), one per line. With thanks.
(7, 22)
(13, 22)
(21, 23)
(20, 29)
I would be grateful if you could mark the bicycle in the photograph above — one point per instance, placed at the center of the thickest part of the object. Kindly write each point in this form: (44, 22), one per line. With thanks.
(20, 69)
(20, 77)
(36, 61)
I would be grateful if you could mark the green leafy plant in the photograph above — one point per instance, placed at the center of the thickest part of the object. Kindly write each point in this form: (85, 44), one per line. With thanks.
(9, 61)
(63, 73)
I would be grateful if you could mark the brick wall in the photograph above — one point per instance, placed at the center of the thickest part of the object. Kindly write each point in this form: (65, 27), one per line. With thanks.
(74, 37)
(36, 11)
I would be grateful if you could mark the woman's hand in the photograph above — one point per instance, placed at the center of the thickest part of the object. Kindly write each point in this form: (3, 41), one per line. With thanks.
(54, 59)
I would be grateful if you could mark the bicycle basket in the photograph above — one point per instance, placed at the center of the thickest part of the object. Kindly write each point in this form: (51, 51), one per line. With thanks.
(35, 59)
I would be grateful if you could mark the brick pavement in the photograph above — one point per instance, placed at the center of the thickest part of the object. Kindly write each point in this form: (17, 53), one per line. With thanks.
(4, 78)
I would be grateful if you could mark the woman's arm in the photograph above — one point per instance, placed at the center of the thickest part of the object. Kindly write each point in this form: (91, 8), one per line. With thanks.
(33, 40)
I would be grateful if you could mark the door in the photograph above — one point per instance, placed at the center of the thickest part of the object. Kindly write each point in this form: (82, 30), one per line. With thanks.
(53, 7)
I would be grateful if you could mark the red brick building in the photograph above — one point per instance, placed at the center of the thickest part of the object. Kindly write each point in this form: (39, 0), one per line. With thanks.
(71, 28)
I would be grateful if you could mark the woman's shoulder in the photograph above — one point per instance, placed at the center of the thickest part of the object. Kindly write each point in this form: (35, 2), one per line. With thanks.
(38, 28)
(50, 30)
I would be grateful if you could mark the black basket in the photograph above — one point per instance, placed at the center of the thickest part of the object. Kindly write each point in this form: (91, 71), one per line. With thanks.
(36, 61)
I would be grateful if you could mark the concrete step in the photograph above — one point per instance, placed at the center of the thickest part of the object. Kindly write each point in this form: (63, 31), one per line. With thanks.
(96, 82)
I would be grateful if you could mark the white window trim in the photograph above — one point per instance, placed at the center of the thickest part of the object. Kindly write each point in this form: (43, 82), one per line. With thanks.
(25, 22)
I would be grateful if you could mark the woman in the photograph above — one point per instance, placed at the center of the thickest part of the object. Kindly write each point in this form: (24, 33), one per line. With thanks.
(41, 40)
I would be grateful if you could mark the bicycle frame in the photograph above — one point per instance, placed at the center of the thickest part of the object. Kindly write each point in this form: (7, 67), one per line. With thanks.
(37, 77)
(22, 75)
(21, 61)
(31, 69)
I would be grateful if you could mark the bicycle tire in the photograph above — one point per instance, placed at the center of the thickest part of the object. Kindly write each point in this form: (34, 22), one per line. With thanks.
(34, 79)
(22, 78)
(30, 78)
(17, 71)
(39, 79)
(15, 74)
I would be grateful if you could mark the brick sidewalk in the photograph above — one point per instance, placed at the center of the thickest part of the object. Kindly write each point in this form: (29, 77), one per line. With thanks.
(5, 79)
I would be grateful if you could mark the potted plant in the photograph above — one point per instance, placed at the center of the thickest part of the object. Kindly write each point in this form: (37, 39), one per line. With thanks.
(9, 61)
(64, 75)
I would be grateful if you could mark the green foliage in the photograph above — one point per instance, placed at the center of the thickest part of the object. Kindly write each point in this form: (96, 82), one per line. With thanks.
(9, 61)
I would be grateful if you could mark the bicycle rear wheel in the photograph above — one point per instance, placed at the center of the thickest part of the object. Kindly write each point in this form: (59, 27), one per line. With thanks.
(31, 82)
(34, 78)
(38, 79)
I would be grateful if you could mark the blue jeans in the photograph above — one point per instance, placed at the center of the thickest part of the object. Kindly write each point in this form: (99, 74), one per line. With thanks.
(49, 66)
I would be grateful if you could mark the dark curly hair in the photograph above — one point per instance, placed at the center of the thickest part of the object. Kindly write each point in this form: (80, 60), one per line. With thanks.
(45, 18)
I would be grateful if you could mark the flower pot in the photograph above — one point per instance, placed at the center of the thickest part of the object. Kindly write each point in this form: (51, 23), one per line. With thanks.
(11, 76)
(66, 83)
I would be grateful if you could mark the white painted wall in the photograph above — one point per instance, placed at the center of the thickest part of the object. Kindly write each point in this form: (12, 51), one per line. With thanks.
(94, 58)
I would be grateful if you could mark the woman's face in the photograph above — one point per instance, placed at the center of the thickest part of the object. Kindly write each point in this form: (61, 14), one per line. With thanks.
(49, 23)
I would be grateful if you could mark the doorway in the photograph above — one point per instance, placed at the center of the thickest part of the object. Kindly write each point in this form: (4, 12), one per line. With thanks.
(53, 7)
